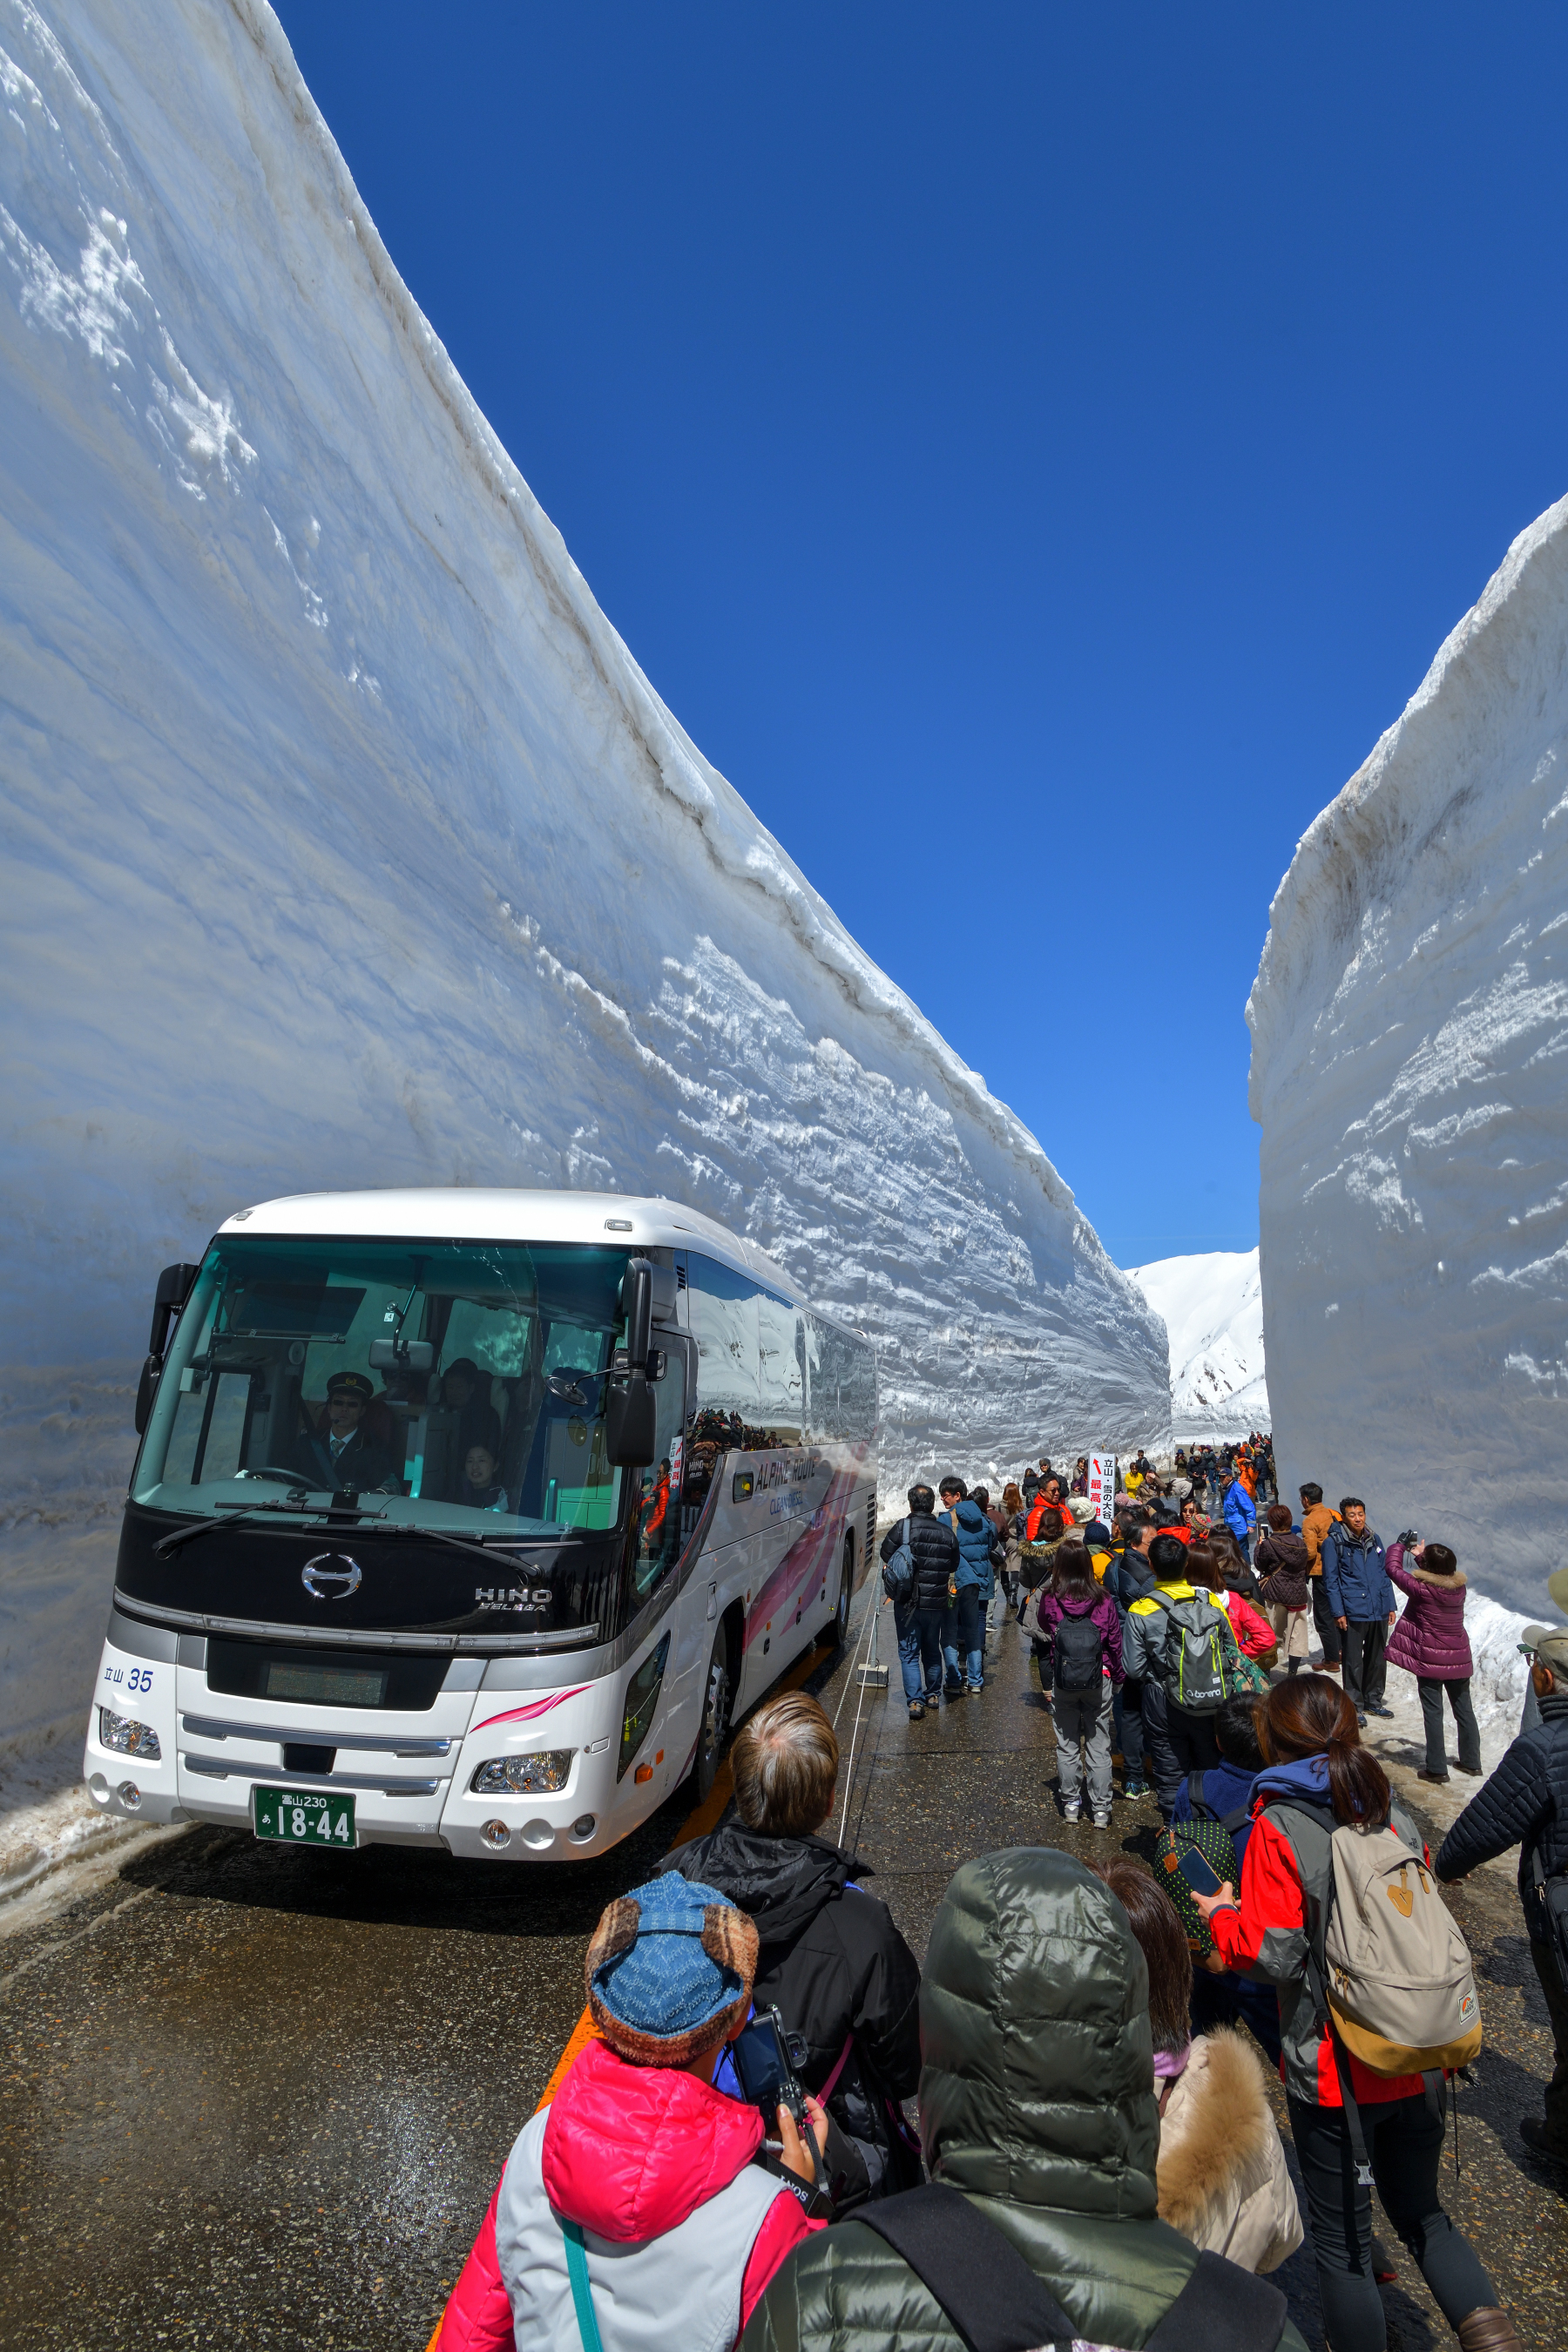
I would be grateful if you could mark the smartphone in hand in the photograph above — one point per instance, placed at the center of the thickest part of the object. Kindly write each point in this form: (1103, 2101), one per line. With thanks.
(1198, 1872)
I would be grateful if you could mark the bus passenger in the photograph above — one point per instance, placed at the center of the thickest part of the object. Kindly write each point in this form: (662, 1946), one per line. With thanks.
(480, 1492)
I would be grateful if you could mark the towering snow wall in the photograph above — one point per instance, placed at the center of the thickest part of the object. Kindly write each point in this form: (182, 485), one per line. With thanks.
(345, 843)
(1410, 1072)
(1212, 1304)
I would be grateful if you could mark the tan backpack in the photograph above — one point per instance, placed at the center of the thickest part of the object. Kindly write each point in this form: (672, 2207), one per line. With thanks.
(1400, 1986)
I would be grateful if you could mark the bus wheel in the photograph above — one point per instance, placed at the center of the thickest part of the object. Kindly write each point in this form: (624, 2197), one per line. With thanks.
(715, 1725)
(838, 1631)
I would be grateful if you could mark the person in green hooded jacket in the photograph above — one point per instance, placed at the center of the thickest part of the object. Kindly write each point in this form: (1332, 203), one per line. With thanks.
(1037, 2103)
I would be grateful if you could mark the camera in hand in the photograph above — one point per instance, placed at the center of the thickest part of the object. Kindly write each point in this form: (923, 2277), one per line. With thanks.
(1410, 1538)
(766, 2055)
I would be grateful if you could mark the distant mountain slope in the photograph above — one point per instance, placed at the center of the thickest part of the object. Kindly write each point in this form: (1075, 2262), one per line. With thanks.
(1213, 1306)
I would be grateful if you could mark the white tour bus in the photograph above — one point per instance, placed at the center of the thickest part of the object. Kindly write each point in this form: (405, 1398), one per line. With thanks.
(471, 1519)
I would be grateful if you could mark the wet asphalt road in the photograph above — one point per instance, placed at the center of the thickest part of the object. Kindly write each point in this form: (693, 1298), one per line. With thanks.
(252, 2096)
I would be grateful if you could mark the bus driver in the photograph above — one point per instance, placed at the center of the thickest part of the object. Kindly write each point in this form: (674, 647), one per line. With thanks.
(340, 1454)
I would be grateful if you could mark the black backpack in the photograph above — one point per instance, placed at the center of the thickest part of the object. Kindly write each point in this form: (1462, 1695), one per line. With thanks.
(996, 2302)
(1079, 1647)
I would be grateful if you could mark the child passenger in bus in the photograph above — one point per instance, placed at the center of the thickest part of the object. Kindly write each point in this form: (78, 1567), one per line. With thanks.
(481, 1491)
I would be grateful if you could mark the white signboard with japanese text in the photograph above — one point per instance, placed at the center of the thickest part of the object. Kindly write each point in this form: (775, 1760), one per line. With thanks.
(1102, 1486)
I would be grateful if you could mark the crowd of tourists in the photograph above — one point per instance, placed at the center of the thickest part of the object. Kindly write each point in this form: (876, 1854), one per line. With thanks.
(788, 2133)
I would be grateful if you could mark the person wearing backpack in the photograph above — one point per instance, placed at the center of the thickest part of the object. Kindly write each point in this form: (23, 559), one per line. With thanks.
(1214, 1811)
(1041, 2132)
(1175, 1645)
(1127, 1575)
(920, 1554)
(1084, 1632)
(1360, 1596)
(1525, 1802)
(979, 1551)
(1356, 1976)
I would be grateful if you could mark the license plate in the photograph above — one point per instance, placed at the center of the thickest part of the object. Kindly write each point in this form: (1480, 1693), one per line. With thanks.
(304, 1817)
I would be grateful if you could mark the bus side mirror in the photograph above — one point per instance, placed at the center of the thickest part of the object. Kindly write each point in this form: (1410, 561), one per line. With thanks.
(173, 1289)
(628, 1398)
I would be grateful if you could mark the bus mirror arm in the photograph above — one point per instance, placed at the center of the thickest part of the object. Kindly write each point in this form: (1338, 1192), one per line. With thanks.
(628, 1398)
(173, 1289)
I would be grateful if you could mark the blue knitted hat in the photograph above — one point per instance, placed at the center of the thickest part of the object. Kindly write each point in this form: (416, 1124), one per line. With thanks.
(670, 1971)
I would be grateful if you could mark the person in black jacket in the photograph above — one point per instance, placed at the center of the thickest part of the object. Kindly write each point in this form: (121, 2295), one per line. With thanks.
(1525, 1802)
(831, 1961)
(920, 1620)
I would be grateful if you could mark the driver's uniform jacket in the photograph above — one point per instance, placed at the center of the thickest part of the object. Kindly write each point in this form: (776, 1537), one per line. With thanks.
(933, 1547)
(682, 2229)
(840, 1974)
(1286, 1870)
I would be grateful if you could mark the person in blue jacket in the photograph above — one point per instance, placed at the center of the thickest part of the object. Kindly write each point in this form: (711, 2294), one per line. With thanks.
(1240, 1513)
(979, 1551)
(1219, 1996)
(1360, 1594)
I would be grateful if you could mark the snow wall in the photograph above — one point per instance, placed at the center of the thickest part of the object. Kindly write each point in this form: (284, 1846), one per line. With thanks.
(345, 843)
(1212, 1306)
(1410, 1073)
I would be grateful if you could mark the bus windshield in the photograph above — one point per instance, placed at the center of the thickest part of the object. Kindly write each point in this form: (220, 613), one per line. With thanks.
(456, 1385)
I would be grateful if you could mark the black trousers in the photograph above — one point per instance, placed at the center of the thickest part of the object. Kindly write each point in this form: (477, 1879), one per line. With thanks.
(1464, 1720)
(1323, 1619)
(1175, 1743)
(1403, 2140)
(1366, 1640)
(1556, 1994)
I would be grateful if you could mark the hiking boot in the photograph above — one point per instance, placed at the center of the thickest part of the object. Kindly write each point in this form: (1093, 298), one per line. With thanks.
(1488, 2330)
(1539, 2137)
(917, 1710)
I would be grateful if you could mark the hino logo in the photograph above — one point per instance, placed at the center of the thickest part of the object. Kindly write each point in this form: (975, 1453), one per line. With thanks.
(330, 1576)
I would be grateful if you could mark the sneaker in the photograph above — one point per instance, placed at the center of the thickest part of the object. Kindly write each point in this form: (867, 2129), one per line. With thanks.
(1360, 1718)
(1540, 2140)
(975, 1690)
(1069, 1813)
(1102, 1821)
(1133, 1789)
(917, 1710)
(1385, 1711)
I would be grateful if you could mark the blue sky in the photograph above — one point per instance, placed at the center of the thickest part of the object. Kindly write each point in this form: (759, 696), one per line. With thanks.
(1035, 452)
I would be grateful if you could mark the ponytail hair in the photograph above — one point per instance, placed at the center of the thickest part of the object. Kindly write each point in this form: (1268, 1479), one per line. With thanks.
(1311, 1716)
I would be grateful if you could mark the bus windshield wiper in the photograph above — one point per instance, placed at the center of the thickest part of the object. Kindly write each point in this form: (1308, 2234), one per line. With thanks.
(168, 1545)
(439, 1535)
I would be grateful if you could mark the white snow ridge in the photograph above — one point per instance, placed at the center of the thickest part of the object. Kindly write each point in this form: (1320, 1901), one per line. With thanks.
(1213, 1309)
(1410, 1046)
(345, 842)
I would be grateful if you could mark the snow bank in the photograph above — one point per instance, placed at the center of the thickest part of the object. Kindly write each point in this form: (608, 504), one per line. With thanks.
(1410, 1044)
(1212, 1306)
(345, 843)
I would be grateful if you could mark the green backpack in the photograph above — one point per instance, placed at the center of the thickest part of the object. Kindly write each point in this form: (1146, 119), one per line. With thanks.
(1215, 1839)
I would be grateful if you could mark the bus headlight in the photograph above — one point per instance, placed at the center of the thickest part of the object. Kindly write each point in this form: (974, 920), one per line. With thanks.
(127, 1737)
(541, 1774)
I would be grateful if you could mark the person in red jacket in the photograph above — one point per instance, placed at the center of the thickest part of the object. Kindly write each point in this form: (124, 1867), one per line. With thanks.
(1254, 1635)
(1317, 1775)
(642, 2193)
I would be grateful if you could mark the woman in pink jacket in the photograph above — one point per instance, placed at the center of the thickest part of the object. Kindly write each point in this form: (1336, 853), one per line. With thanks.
(1430, 1642)
(642, 2195)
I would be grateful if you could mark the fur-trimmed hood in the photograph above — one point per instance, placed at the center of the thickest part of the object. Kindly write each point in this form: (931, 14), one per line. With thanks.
(1221, 2178)
(1443, 1584)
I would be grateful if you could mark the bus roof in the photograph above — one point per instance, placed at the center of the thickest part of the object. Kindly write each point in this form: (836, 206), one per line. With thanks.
(476, 1213)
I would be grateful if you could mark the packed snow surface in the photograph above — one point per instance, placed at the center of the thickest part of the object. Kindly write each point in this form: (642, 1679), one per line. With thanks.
(1410, 1053)
(1212, 1304)
(346, 844)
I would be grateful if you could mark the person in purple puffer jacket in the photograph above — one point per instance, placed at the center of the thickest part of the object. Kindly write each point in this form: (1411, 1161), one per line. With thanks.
(1430, 1642)
(1083, 1627)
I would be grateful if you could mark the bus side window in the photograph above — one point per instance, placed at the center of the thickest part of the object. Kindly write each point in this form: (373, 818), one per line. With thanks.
(658, 1529)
